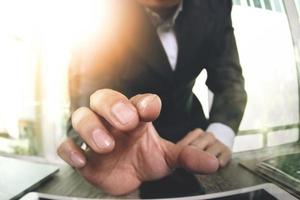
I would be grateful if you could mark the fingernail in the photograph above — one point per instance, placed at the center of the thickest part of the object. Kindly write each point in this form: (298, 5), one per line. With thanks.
(146, 101)
(123, 113)
(77, 160)
(101, 139)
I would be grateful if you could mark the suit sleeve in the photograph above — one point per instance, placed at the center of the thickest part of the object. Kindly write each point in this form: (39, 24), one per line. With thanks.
(225, 77)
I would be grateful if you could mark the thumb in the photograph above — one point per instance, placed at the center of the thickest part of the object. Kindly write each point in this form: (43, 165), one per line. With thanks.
(194, 159)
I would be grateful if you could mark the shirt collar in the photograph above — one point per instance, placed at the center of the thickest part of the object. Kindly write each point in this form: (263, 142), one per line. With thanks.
(165, 23)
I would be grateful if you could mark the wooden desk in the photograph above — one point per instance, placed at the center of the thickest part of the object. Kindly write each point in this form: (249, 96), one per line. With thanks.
(69, 183)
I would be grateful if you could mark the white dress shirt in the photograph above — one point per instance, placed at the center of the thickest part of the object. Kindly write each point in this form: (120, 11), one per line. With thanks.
(167, 36)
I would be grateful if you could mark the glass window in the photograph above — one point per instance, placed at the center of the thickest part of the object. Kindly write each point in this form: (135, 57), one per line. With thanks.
(297, 2)
(277, 5)
(269, 65)
(236, 2)
(248, 2)
(18, 69)
(257, 3)
(34, 101)
(268, 4)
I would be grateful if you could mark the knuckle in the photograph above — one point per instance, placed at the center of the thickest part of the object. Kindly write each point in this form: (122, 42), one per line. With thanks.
(79, 117)
(136, 97)
(228, 152)
(222, 162)
(197, 133)
(59, 150)
(102, 92)
(200, 143)
(155, 96)
(222, 147)
(211, 137)
(219, 143)
(95, 99)
(105, 97)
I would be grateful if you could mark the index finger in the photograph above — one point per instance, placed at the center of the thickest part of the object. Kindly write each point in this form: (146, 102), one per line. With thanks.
(90, 128)
(115, 108)
(71, 153)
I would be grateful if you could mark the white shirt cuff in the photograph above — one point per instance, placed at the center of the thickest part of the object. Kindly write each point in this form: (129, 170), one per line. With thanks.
(223, 133)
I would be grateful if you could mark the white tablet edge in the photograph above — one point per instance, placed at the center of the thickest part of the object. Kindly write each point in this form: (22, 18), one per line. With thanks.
(274, 190)
(269, 187)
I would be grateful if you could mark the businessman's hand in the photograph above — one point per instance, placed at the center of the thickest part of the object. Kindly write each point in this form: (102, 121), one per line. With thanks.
(207, 142)
(124, 147)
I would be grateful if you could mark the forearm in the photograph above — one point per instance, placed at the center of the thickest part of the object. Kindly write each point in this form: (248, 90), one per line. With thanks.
(228, 108)
(226, 81)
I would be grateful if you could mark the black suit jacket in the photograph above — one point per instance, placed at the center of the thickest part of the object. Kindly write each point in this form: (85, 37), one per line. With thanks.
(127, 55)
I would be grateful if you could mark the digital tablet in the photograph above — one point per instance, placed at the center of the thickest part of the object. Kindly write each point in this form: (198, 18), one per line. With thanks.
(20, 176)
(266, 191)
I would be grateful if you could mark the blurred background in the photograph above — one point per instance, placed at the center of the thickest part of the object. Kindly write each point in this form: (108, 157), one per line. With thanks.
(36, 40)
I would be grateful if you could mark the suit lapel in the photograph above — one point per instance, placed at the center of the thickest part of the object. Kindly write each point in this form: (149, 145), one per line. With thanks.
(143, 39)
